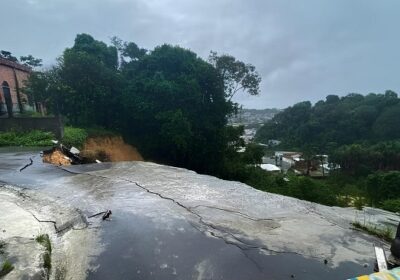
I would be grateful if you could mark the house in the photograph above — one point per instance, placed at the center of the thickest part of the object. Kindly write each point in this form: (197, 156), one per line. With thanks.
(12, 79)
(290, 158)
(270, 167)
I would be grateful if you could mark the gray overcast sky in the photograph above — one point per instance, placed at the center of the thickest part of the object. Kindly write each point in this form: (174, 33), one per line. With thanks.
(304, 50)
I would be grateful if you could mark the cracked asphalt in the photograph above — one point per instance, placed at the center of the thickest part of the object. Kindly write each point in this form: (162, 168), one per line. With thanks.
(171, 223)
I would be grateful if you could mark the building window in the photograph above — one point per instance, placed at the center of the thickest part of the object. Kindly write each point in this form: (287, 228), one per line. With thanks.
(7, 99)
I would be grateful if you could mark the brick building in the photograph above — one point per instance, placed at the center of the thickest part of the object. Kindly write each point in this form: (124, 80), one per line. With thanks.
(12, 78)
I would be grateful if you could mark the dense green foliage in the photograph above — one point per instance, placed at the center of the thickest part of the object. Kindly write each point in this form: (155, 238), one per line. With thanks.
(383, 186)
(175, 110)
(360, 133)
(391, 205)
(336, 121)
(171, 104)
(365, 158)
(332, 191)
(74, 136)
(31, 138)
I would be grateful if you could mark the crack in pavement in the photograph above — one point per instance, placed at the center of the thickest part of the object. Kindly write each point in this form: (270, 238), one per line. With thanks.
(64, 227)
(243, 246)
(237, 212)
(29, 164)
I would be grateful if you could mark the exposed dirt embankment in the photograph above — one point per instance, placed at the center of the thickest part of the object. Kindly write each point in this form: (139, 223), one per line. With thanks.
(114, 148)
(105, 149)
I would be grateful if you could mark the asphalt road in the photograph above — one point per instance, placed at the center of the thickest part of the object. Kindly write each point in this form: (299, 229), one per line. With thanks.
(171, 223)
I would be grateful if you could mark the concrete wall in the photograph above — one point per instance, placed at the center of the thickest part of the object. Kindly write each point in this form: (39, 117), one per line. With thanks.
(26, 124)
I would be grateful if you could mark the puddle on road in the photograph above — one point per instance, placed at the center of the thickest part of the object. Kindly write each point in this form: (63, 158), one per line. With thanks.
(136, 248)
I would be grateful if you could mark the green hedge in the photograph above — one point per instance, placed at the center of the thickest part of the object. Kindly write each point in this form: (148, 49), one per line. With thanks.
(31, 138)
(74, 136)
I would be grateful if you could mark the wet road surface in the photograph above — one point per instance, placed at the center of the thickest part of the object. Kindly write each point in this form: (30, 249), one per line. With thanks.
(171, 223)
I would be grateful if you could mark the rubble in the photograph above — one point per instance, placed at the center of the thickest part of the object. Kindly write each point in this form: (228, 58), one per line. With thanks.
(56, 157)
(95, 150)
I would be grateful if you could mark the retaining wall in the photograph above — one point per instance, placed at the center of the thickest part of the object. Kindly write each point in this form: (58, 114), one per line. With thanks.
(25, 124)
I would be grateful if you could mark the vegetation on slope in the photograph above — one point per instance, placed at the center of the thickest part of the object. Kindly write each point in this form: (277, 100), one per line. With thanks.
(75, 136)
(174, 106)
(329, 124)
(168, 102)
(359, 133)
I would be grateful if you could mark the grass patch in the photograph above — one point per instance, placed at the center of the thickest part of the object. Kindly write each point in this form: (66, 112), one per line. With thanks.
(386, 233)
(47, 261)
(6, 268)
(33, 114)
(44, 240)
(74, 136)
(30, 138)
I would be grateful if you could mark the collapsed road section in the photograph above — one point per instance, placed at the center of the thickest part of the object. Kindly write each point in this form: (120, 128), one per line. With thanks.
(172, 223)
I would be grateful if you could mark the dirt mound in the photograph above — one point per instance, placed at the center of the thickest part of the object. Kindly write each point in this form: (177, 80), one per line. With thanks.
(114, 148)
(95, 149)
(56, 157)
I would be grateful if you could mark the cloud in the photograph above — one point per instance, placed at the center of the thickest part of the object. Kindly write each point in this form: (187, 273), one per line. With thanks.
(303, 50)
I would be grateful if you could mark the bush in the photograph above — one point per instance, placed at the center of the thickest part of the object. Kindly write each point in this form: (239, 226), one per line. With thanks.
(74, 136)
(383, 186)
(31, 138)
(312, 190)
(392, 205)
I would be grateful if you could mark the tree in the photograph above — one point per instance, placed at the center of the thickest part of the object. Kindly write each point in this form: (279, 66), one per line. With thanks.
(253, 154)
(237, 75)
(387, 124)
(168, 102)
(175, 108)
(7, 55)
(349, 119)
(90, 69)
(383, 186)
(128, 51)
(48, 88)
(30, 61)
